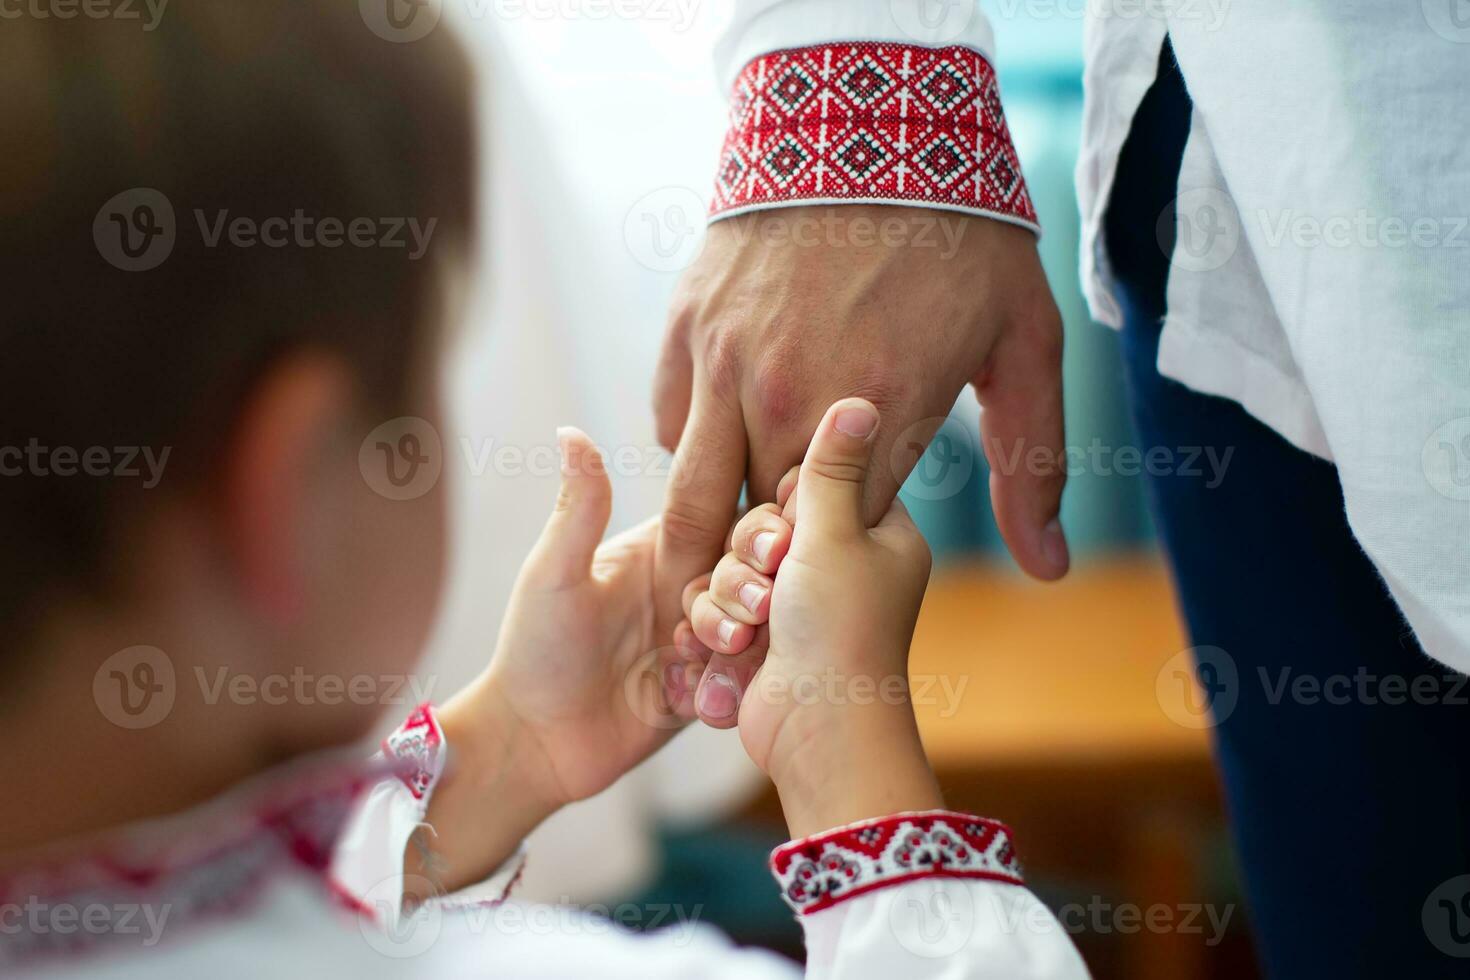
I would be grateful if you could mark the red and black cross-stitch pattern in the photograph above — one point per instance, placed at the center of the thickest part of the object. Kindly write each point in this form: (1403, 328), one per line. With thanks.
(870, 122)
(821, 871)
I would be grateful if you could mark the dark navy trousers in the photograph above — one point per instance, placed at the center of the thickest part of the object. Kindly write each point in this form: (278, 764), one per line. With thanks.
(1344, 752)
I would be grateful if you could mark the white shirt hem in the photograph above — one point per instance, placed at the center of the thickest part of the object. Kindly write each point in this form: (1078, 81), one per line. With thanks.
(1215, 366)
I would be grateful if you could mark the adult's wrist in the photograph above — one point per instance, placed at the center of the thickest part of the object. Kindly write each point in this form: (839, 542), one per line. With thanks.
(836, 765)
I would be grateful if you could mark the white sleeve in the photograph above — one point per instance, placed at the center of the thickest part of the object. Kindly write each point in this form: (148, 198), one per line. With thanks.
(941, 928)
(758, 27)
(367, 864)
(935, 894)
(932, 929)
(932, 894)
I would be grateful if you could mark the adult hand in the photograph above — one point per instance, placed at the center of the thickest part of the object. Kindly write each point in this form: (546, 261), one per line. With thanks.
(789, 310)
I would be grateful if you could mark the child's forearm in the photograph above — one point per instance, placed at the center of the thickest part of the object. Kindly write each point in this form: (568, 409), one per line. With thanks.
(488, 799)
(843, 764)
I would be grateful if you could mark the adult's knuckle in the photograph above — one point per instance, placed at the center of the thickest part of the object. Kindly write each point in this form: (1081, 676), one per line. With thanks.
(882, 385)
(778, 388)
(723, 363)
(689, 525)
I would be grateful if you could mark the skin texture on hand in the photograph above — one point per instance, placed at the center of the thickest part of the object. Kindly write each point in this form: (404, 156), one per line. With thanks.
(826, 683)
(578, 692)
(771, 326)
(577, 661)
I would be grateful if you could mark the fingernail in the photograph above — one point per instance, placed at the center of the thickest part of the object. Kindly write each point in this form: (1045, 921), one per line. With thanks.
(674, 681)
(718, 698)
(762, 546)
(857, 421)
(751, 596)
(726, 630)
(1054, 544)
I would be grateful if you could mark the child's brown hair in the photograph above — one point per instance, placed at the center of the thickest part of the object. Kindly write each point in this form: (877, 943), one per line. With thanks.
(125, 327)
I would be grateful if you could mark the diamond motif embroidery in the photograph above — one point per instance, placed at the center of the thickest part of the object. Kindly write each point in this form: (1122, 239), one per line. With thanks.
(860, 156)
(870, 122)
(865, 83)
(1004, 176)
(793, 88)
(785, 160)
(990, 102)
(943, 161)
(731, 170)
(944, 87)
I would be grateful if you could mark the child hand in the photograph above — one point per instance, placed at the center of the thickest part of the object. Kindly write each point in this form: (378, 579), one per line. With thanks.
(826, 713)
(577, 671)
(576, 694)
(728, 608)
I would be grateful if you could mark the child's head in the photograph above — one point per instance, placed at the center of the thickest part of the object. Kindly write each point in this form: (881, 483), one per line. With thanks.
(211, 226)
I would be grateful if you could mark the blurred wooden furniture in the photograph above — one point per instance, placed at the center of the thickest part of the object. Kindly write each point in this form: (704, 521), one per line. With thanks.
(1051, 721)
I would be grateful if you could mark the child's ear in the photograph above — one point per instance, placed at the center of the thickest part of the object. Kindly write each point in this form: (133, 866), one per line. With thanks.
(281, 449)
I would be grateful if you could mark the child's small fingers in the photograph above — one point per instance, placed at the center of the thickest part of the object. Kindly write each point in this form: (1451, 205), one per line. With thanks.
(752, 515)
(688, 645)
(787, 493)
(740, 591)
(692, 591)
(726, 680)
(716, 630)
(762, 538)
(679, 671)
(740, 515)
(787, 485)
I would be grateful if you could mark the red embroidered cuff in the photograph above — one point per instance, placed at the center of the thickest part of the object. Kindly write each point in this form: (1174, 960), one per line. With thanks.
(871, 122)
(415, 750)
(821, 871)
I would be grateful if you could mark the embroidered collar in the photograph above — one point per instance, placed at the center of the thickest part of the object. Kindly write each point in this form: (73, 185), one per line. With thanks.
(210, 861)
